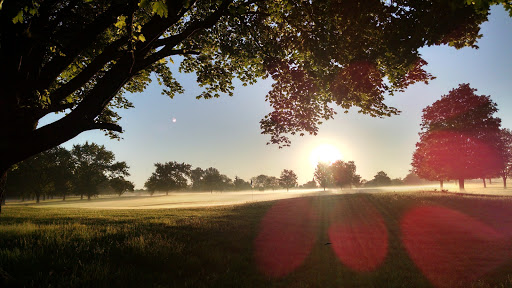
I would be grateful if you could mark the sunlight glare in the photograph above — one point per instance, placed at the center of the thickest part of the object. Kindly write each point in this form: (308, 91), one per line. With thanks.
(324, 153)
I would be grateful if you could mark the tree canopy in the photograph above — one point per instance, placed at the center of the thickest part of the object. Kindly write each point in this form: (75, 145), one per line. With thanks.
(460, 138)
(323, 175)
(85, 55)
(344, 173)
(288, 179)
(380, 179)
(94, 165)
(168, 176)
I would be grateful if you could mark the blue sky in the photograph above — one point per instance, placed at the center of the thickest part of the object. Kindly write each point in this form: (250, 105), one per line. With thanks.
(224, 133)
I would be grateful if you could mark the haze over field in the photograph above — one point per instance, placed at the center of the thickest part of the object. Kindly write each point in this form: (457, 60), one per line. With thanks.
(141, 200)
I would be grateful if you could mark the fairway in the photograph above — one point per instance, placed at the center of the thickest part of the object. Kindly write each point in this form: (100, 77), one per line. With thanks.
(354, 240)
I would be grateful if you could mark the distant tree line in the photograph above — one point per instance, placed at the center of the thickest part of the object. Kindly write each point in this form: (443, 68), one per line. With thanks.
(86, 170)
(174, 176)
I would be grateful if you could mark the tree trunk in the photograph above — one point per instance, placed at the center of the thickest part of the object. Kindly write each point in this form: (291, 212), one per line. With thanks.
(461, 184)
(441, 182)
(3, 182)
(166, 193)
(88, 197)
(82, 196)
(504, 182)
(485, 185)
(490, 181)
(64, 197)
(37, 198)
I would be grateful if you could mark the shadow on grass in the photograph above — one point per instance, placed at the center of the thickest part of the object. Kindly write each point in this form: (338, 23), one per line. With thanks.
(354, 240)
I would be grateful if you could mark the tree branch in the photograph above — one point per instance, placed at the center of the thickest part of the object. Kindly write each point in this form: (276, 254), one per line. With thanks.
(170, 42)
(82, 39)
(54, 108)
(105, 126)
(110, 53)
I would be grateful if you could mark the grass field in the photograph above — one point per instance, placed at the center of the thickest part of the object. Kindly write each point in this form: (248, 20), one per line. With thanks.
(354, 240)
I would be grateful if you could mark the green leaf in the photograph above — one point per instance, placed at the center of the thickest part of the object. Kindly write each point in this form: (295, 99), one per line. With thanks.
(121, 22)
(18, 18)
(160, 8)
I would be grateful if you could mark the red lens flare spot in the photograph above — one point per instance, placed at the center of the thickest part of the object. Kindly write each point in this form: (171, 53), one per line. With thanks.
(449, 247)
(358, 235)
(286, 237)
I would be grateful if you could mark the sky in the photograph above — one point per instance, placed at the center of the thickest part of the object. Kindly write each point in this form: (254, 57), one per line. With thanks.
(224, 132)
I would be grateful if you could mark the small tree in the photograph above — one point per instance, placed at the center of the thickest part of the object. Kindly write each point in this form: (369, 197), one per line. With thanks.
(121, 185)
(213, 180)
(170, 176)
(240, 184)
(260, 182)
(309, 185)
(196, 176)
(288, 179)
(380, 179)
(506, 150)
(344, 173)
(323, 175)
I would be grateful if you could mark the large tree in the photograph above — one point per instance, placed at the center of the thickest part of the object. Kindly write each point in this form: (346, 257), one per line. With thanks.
(344, 173)
(170, 176)
(288, 179)
(81, 57)
(460, 138)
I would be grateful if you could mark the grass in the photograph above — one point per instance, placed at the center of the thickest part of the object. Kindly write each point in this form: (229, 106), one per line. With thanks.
(359, 240)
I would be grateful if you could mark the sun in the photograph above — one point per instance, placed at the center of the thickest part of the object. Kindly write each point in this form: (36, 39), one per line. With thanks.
(324, 153)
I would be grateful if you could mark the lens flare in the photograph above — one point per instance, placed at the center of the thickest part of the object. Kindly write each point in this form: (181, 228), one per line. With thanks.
(358, 235)
(452, 248)
(286, 237)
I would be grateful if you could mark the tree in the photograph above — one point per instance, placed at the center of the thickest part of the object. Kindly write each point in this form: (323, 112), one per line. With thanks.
(260, 182)
(94, 166)
(460, 138)
(213, 180)
(170, 176)
(196, 175)
(344, 173)
(240, 184)
(309, 185)
(42, 174)
(288, 179)
(380, 179)
(82, 56)
(121, 185)
(323, 175)
(413, 179)
(506, 150)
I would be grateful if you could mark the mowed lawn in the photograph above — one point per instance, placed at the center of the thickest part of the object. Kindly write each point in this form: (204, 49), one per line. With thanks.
(354, 240)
